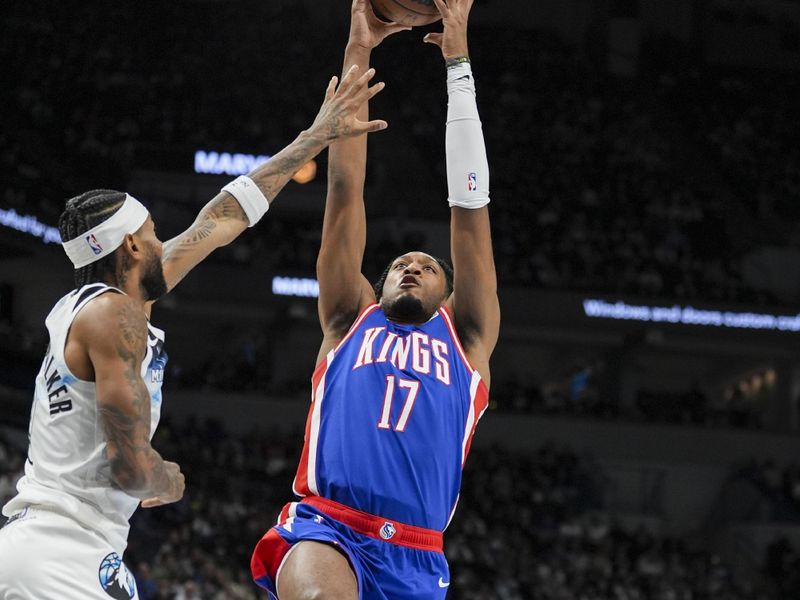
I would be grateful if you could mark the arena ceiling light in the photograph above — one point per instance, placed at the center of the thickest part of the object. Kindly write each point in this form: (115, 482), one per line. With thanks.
(29, 224)
(688, 315)
(237, 163)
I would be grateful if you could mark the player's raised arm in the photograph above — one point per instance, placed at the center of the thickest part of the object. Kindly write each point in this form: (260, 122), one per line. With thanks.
(343, 289)
(474, 301)
(244, 201)
(113, 330)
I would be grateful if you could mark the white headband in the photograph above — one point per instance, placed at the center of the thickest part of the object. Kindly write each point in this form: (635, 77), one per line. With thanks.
(106, 237)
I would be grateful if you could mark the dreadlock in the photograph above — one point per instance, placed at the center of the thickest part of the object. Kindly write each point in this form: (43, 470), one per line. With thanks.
(448, 276)
(80, 215)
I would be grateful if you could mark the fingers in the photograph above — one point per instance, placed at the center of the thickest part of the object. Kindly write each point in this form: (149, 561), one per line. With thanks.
(331, 90)
(365, 79)
(369, 127)
(348, 77)
(396, 27)
(366, 94)
(374, 90)
(152, 502)
(447, 7)
(433, 38)
(352, 82)
(351, 85)
(442, 6)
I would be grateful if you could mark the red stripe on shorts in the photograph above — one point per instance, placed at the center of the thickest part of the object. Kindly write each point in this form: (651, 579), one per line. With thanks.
(268, 555)
(380, 528)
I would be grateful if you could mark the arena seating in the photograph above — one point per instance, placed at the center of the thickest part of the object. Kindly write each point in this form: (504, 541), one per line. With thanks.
(541, 534)
(652, 186)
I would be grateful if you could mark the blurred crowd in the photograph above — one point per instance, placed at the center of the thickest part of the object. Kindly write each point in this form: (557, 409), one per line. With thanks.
(783, 567)
(581, 388)
(655, 185)
(584, 388)
(776, 494)
(540, 533)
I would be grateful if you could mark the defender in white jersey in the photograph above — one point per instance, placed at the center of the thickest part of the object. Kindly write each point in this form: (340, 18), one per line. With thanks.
(97, 399)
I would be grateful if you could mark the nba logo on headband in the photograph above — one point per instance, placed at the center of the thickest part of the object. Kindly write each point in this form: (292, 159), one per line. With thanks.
(103, 239)
(94, 244)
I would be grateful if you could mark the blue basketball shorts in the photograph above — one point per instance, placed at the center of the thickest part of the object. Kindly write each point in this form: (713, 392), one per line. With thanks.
(391, 560)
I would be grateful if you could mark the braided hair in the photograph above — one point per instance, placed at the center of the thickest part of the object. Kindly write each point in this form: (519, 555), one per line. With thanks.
(80, 215)
(448, 276)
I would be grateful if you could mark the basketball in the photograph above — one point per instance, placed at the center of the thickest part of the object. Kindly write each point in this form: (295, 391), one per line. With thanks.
(407, 12)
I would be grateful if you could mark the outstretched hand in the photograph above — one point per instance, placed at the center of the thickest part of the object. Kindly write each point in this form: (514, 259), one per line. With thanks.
(453, 40)
(337, 115)
(366, 29)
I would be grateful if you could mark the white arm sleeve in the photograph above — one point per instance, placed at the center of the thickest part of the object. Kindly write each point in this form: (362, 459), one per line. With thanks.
(467, 166)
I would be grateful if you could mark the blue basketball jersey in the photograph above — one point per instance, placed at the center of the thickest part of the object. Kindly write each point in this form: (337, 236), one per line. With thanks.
(394, 408)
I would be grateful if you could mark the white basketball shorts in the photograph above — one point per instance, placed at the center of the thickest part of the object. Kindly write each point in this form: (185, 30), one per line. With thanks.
(48, 555)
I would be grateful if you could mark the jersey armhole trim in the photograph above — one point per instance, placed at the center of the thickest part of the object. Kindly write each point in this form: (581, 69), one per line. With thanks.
(364, 313)
(83, 300)
(448, 319)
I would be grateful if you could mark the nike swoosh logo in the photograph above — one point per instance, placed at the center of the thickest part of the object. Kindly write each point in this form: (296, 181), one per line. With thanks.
(443, 583)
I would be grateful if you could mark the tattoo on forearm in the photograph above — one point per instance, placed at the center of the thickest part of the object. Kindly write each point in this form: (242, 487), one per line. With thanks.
(128, 431)
(213, 214)
(217, 212)
(275, 174)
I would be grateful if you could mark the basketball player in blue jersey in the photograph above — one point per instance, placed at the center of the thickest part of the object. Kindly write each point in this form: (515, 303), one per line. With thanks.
(402, 375)
(97, 398)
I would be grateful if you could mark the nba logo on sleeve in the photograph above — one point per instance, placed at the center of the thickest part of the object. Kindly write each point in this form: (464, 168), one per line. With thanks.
(472, 181)
(94, 244)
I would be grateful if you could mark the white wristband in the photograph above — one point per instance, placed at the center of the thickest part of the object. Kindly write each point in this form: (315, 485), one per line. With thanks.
(253, 202)
(462, 70)
(467, 165)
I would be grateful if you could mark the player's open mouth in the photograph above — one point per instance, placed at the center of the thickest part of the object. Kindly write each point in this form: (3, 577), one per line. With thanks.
(409, 281)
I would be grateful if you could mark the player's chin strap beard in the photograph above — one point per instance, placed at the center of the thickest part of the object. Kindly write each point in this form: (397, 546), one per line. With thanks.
(406, 308)
(153, 283)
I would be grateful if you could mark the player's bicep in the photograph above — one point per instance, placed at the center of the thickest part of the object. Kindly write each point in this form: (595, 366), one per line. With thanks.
(343, 289)
(338, 309)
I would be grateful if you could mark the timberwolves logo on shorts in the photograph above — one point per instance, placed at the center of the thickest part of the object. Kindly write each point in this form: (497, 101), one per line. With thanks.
(115, 578)
(387, 531)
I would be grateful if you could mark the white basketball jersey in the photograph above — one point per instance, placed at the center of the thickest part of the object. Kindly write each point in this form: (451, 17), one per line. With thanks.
(67, 468)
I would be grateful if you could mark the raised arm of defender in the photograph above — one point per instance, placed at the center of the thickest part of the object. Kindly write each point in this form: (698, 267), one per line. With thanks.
(343, 290)
(244, 201)
(474, 302)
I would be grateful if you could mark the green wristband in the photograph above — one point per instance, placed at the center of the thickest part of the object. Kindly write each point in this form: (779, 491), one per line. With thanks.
(456, 60)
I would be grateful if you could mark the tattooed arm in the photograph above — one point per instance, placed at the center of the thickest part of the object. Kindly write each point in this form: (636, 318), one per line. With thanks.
(222, 220)
(112, 330)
